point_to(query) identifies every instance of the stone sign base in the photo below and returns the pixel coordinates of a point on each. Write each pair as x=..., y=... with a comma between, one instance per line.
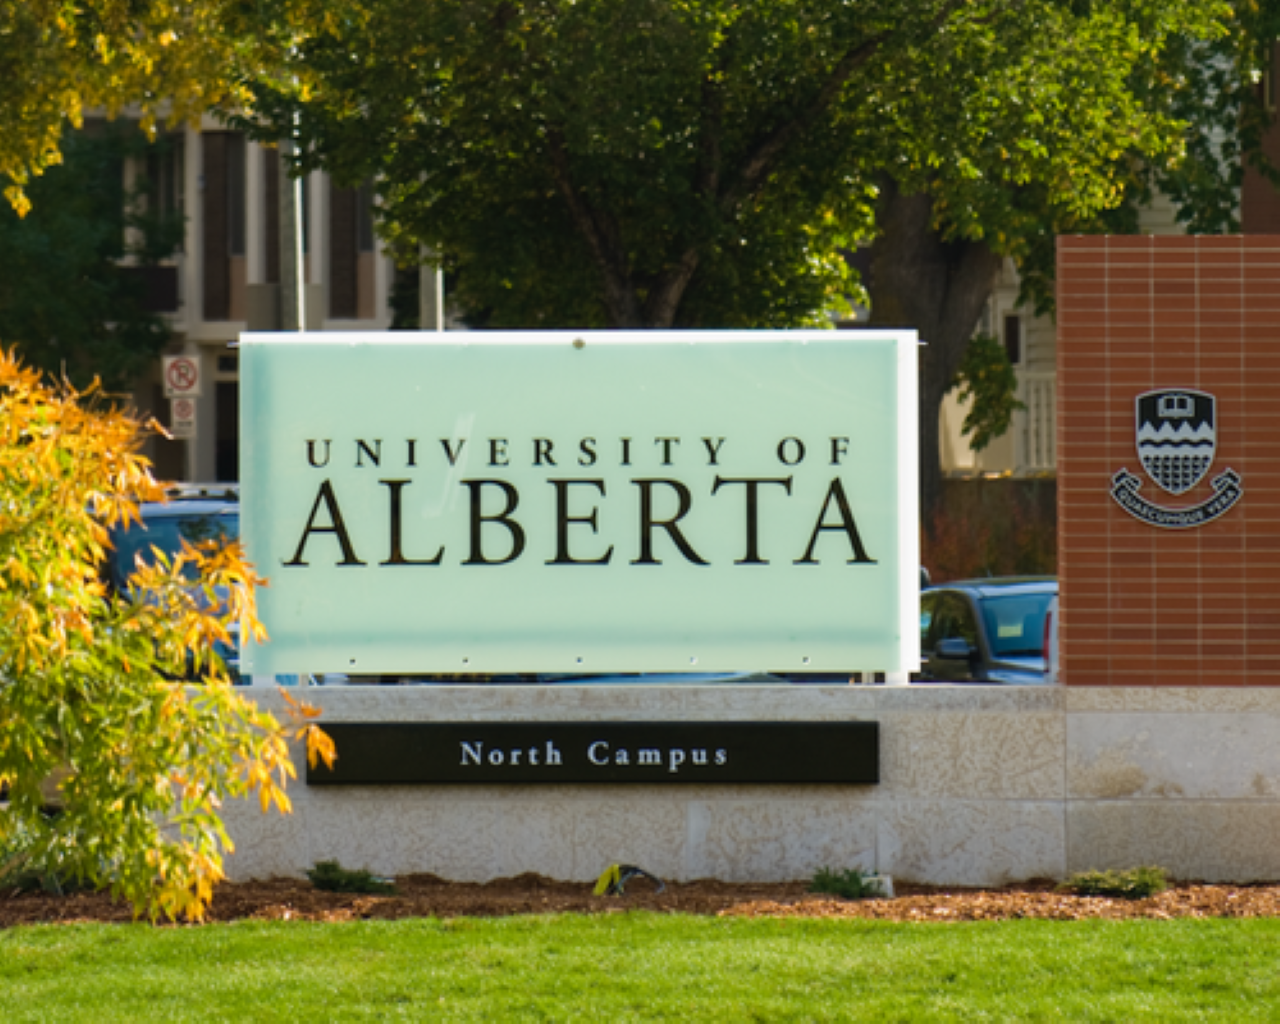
x=979, y=786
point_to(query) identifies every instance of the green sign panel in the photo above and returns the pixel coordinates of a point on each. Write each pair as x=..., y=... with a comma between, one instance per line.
x=582, y=502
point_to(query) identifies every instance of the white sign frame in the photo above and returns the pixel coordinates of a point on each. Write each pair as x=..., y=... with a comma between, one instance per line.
x=381, y=476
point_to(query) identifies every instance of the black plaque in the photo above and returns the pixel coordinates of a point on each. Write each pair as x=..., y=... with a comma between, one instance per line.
x=389, y=753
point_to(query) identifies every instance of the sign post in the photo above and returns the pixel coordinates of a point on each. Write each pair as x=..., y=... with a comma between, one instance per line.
x=182, y=388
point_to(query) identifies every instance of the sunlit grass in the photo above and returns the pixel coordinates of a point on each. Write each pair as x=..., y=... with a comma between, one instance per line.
x=643, y=966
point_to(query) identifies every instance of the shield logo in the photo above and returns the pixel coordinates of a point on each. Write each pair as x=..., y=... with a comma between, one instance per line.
x=1176, y=437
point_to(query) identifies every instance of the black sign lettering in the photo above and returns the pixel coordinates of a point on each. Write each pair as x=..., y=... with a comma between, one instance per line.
x=503, y=518
x=336, y=526
x=847, y=524
x=752, y=484
x=542, y=451
x=378, y=753
x=563, y=520
x=666, y=443
x=396, y=557
x=790, y=451
x=452, y=453
x=311, y=454
x=647, y=522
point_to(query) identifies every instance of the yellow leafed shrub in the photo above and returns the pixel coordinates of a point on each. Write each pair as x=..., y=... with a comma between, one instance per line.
x=96, y=697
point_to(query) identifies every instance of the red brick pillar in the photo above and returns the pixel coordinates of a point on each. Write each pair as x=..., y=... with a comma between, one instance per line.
x=1193, y=323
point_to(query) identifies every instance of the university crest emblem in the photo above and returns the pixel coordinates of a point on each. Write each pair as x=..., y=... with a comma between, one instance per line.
x=1177, y=438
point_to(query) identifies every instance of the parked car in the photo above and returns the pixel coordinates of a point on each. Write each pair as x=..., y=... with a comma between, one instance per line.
x=1051, y=642
x=195, y=513
x=986, y=631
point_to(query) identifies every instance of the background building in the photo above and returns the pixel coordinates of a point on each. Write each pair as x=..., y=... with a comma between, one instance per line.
x=227, y=275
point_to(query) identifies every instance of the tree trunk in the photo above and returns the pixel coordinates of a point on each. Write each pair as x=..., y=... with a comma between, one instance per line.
x=939, y=288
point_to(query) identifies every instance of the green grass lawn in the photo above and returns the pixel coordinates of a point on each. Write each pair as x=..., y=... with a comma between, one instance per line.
x=644, y=966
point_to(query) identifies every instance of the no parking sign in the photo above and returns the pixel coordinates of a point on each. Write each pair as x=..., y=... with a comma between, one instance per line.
x=181, y=377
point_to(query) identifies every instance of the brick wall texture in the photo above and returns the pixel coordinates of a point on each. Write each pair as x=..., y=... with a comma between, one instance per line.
x=1144, y=605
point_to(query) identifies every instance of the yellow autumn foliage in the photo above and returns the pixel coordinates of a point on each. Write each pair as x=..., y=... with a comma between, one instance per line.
x=162, y=59
x=96, y=687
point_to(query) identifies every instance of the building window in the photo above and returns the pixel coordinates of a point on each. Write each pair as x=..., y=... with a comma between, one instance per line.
x=364, y=218
x=271, y=213
x=235, y=194
x=1013, y=339
x=222, y=205
x=162, y=188
x=351, y=248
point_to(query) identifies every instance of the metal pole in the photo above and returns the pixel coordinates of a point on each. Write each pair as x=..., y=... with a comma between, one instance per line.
x=298, y=236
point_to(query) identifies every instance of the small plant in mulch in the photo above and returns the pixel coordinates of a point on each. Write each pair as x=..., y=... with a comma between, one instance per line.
x=1134, y=884
x=851, y=884
x=333, y=877
x=22, y=869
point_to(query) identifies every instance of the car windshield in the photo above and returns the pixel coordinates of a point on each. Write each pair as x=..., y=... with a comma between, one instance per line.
x=1015, y=624
x=166, y=533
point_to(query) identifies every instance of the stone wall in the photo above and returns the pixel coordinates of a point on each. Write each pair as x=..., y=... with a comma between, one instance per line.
x=979, y=786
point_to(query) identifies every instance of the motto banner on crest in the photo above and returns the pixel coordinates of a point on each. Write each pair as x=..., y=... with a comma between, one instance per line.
x=1177, y=438
x=570, y=502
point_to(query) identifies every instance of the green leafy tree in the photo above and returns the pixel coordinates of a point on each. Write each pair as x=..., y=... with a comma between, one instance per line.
x=657, y=163
x=637, y=148
x=92, y=698
x=1168, y=93
x=67, y=301
x=987, y=381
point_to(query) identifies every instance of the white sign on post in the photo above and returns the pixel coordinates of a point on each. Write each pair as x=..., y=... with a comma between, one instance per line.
x=559, y=502
x=181, y=377
x=182, y=418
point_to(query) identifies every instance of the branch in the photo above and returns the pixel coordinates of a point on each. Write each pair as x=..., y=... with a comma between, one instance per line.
x=665, y=295
x=707, y=172
x=668, y=290
x=600, y=236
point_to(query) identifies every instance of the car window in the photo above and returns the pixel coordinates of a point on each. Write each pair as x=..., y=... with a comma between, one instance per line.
x=166, y=533
x=949, y=615
x=1015, y=625
x=928, y=603
x=956, y=620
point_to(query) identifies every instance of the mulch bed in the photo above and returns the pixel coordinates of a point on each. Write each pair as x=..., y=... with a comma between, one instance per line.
x=429, y=896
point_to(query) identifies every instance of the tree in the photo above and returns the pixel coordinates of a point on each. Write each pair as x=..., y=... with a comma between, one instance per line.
x=66, y=300
x=658, y=163
x=944, y=226
x=92, y=695
x=160, y=58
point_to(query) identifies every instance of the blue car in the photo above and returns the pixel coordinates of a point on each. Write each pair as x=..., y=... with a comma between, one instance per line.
x=986, y=630
x=193, y=513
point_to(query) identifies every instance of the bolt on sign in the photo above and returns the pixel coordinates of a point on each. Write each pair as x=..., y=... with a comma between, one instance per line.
x=582, y=502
